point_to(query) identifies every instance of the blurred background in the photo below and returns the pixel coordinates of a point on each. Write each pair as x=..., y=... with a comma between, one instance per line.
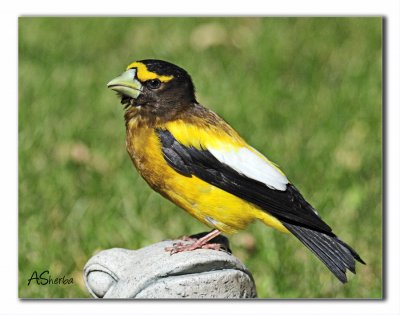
x=304, y=91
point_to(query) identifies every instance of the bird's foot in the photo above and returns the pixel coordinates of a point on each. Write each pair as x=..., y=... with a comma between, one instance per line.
x=198, y=243
x=181, y=247
x=214, y=246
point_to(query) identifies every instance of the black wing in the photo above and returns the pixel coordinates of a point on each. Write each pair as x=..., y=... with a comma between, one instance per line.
x=289, y=206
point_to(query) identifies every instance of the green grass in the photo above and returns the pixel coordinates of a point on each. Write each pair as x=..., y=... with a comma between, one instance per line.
x=304, y=91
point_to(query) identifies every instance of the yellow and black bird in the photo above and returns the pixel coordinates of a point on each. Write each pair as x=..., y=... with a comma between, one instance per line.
x=192, y=157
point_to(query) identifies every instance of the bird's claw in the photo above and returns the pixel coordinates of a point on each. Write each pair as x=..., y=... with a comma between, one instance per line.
x=181, y=247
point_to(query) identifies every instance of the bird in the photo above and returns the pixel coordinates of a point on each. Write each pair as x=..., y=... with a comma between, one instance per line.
x=194, y=158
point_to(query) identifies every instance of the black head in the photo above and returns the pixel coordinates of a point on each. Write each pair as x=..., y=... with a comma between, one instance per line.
x=155, y=87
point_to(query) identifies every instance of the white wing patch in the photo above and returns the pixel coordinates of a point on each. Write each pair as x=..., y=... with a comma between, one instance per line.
x=252, y=165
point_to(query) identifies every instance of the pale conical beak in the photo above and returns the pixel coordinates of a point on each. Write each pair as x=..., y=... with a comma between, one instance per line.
x=126, y=84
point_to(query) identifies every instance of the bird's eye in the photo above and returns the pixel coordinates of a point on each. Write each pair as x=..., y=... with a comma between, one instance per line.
x=153, y=84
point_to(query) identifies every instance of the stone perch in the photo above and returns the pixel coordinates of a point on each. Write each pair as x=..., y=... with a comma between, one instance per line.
x=152, y=273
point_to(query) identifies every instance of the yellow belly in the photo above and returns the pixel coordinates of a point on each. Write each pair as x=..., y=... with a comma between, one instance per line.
x=209, y=204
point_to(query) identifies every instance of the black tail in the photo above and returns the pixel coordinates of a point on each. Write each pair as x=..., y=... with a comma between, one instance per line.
x=334, y=253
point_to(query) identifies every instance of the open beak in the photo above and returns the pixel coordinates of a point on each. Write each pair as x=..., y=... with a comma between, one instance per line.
x=126, y=84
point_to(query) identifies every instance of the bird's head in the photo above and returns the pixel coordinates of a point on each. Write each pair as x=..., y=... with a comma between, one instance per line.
x=154, y=87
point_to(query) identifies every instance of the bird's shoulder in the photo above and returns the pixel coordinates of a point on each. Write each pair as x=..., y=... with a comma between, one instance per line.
x=201, y=128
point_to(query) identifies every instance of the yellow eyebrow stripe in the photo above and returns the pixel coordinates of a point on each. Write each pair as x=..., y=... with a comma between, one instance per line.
x=144, y=74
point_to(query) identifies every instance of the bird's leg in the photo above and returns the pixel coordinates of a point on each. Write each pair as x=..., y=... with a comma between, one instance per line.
x=200, y=243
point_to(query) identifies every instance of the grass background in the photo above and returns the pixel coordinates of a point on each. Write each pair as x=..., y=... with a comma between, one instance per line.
x=304, y=91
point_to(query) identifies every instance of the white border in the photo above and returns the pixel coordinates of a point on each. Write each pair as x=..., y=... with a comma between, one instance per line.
x=9, y=152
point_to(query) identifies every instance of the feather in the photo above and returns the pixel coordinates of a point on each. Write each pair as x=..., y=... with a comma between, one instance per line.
x=333, y=252
x=251, y=165
x=288, y=206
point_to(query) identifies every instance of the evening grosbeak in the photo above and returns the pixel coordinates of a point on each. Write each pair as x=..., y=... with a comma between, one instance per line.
x=192, y=157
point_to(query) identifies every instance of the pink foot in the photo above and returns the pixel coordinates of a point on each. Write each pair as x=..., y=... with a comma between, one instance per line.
x=214, y=246
x=180, y=247
x=200, y=243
